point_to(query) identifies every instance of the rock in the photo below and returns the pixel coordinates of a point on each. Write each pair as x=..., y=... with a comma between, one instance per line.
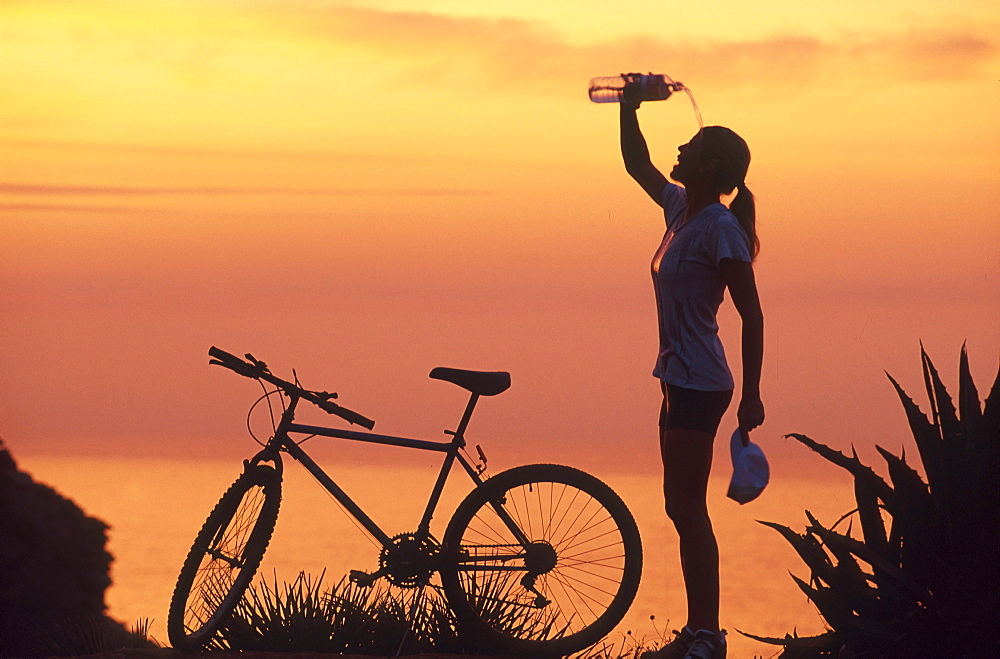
x=53, y=566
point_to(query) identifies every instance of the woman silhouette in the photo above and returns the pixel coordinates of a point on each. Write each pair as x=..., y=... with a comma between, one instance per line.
x=707, y=248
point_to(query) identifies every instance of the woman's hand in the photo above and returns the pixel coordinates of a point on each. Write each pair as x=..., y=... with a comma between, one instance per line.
x=750, y=415
x=632, y=93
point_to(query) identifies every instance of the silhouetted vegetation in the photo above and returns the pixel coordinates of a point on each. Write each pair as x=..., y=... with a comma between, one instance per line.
x=303, y=616
x=922, y=578
x=306, y=616
x=96, y=635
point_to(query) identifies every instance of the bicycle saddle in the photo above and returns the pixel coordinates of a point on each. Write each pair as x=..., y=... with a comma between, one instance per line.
x=483, y=383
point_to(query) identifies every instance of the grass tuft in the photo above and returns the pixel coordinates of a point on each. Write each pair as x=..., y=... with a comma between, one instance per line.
x=307, y=616
x=89, y=635
x=304, y=616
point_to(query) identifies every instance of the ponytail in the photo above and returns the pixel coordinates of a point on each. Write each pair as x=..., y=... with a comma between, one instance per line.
x=732, y=157
x=745, y=210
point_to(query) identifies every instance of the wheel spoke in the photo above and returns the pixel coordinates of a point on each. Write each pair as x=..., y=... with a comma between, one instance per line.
x=576, y=597
x=224, y=557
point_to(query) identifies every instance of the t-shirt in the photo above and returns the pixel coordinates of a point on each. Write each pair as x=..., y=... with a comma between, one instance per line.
x=689, y=289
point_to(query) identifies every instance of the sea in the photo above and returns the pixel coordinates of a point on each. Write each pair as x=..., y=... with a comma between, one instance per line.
x=155, y=506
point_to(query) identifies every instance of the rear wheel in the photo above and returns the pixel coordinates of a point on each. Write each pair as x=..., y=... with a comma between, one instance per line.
x=224, y=558
x=541, y=559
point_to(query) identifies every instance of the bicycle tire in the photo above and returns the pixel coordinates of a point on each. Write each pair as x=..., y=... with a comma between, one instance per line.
x=571, y=519
x=224, y=558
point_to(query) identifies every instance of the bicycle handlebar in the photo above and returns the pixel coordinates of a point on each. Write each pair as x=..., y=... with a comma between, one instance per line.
x=257, y=370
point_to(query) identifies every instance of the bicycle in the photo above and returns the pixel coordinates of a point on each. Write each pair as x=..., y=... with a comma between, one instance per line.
x=539, y=559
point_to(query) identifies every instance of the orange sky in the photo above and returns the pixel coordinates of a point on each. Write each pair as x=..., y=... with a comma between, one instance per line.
x=366, y=190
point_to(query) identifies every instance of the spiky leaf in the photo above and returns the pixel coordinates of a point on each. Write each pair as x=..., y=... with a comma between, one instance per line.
x=892, y=582
x=945, y=415
x=927, y=540
x=991, y=414
x=853, y=465
x=804, y=647
x=983, y=438
x=927, y=438
x=851, y=583
x=810, y=551
x=832, y=607
x=968, y=401
x=872, y=525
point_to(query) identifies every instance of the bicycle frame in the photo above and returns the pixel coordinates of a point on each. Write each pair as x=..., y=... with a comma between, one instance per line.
x=537, y=559
x=282, y=441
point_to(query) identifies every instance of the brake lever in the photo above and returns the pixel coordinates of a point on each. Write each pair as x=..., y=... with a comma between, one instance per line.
x=256, y=362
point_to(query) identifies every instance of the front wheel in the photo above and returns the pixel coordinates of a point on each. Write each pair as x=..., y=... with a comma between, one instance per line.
x=224, y=558
x=541, y=559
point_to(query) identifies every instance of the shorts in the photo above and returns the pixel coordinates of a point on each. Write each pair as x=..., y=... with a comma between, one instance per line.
x=692, y=409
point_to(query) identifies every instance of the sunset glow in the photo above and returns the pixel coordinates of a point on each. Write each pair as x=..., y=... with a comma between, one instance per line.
x=365, y=190
x=362, y=190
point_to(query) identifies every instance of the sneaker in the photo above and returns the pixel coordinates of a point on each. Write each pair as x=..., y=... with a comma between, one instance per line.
x=675, y=649
x=707, y=645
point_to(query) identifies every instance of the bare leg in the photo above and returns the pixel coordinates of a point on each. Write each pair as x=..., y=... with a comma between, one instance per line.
x=687, y=460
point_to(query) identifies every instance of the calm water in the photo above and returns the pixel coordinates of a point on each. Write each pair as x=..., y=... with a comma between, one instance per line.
x=155, y=507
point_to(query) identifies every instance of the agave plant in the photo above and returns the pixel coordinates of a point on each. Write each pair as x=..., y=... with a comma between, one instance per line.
x=922, y=576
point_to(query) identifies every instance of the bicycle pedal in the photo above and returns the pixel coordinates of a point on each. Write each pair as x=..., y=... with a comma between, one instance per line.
x=362, y=579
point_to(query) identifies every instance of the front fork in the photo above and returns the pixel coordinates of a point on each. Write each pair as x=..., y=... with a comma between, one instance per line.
x=272, y=450
x=265, y=455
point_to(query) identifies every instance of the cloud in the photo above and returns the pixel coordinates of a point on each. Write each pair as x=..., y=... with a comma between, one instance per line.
x=509, y=52
x=202, y=151
x=45, y=190
x=61, y=208
x=287, y=47
x=931, y=54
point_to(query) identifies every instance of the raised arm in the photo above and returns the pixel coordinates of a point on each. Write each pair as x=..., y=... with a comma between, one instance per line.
x=742, y=286
x=635, y=153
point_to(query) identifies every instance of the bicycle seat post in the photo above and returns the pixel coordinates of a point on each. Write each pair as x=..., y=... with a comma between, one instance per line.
x=478, y=383
x=459, y=433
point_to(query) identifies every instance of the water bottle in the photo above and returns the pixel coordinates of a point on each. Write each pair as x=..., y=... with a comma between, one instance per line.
x=654, y=87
